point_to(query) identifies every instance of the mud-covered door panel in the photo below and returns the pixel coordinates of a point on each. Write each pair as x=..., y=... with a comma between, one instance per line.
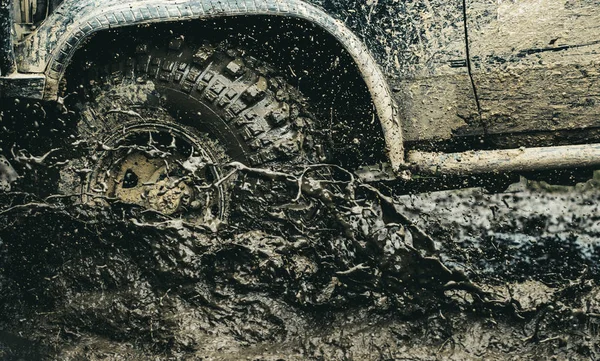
x=536, y=67
x=422, y=48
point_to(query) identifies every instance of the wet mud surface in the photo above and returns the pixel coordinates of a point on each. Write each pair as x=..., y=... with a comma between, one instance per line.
x=312, y=265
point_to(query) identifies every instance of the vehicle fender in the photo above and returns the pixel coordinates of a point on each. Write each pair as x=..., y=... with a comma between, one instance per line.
x=51, y=47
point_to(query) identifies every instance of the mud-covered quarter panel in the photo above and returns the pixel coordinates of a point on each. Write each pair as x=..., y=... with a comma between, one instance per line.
x=536, y=68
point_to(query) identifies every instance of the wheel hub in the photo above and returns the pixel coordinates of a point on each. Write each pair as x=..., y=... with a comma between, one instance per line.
x=146, y=181
x=161, y=167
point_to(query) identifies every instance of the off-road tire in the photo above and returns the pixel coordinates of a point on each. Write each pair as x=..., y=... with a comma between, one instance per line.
x=236, y=104
x=258, y=117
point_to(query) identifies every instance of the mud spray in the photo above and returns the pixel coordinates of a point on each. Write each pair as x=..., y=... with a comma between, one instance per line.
x=312, y=264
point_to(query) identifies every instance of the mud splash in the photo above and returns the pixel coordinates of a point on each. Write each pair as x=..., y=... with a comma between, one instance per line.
x=311, y=265
x=330, y=270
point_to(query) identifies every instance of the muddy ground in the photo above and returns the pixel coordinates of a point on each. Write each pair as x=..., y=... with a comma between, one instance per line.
x=312, y=265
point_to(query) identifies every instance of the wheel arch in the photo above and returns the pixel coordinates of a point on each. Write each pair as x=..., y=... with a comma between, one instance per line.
x=46, y=52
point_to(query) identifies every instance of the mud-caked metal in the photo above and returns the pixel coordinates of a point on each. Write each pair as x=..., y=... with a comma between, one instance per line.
x=437, y=78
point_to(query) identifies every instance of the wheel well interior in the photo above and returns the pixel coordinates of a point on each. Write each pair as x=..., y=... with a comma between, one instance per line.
x=308, y=57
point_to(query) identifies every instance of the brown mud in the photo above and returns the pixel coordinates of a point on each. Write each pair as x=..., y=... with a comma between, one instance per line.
x=332, y=271
x=312, y=265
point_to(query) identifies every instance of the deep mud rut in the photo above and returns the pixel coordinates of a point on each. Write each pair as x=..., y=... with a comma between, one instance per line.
x=312, y=265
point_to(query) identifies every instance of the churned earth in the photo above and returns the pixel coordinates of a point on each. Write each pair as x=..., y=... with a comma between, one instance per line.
x=324, y=273
x=312, y=264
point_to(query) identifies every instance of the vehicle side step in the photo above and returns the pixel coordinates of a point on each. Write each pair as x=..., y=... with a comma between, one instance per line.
x=504, y=160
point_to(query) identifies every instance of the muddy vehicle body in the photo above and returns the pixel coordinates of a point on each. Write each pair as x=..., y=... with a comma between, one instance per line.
x=456, y=87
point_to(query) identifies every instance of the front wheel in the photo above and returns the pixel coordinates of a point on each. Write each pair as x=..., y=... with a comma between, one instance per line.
x=162, y=120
